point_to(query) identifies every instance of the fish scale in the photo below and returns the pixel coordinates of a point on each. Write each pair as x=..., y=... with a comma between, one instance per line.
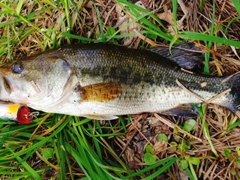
x=153, y=70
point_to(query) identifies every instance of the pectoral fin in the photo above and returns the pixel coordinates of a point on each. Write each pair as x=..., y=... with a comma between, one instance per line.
x=100, y=116
x=183, y=110
x=67, y=91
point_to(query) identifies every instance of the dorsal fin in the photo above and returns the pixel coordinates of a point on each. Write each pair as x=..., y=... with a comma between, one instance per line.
x=187, y=56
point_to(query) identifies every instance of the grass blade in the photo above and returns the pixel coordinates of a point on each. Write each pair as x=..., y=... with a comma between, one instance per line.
x=19, y=7
x=157, y=164
x=237, y=5
x=205, y=37
x=33, y=173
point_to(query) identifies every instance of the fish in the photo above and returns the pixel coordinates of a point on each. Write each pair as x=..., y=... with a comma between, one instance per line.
x=103, y=81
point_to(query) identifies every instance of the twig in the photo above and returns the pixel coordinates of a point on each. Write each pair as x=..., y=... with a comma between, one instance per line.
x=190, y=92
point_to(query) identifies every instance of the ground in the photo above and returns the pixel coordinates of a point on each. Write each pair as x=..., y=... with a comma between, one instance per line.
x=146, y=145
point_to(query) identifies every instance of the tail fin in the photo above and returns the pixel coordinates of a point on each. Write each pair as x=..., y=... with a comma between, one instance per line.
x=233, y=82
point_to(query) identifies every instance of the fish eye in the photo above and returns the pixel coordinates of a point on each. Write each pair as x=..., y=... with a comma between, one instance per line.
x=17, y=67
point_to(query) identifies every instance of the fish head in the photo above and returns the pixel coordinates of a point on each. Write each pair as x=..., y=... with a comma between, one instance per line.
x=40, y=81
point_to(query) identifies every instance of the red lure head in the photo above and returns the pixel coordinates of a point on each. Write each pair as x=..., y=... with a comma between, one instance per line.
x=24, y=115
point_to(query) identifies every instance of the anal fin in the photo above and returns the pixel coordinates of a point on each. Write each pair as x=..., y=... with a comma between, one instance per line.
x=182, y=110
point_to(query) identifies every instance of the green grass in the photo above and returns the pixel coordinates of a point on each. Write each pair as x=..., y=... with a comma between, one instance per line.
x=81, y=147
x=76, y=143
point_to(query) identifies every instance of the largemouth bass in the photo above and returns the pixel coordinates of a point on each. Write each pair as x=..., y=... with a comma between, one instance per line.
x=102, y=81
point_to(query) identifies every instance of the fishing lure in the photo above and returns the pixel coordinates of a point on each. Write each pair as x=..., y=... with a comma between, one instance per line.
x=16, y=112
